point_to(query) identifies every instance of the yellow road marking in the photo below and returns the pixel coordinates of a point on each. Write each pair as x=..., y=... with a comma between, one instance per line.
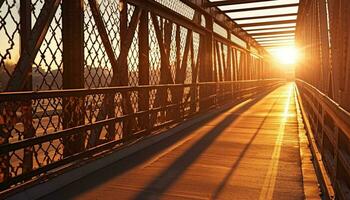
x=270, y=178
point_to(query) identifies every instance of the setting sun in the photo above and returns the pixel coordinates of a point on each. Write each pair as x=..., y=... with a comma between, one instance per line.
x=285, y=55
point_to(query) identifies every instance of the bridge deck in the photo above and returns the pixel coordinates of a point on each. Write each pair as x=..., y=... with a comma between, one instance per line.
x=249, y=152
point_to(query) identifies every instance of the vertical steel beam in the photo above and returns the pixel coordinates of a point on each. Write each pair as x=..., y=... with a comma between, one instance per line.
x=73, y=71
x=229, y=64
x=123, y=65
x=248, y=64
x=206, y=65
x=122, y=68
x=193, y=89
x=73, y=43
x=235, y=64
x=346, y=53
x=325, y=61
x=144, y=73
x=25, y=32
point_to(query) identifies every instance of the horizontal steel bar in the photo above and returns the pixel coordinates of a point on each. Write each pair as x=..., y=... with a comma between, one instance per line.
x=275, y=39
x=272, y=33
x=232, y=2
x=261, y=8
x=266, y=16
x=340, y=116
x=274, y=36
x=278, y=45
x=246, y=89
x=20, y=96
x=223, y=19
x=71, y=131
x=69, y=160
x=268, y=23
x=272, y=28
x=154, y=7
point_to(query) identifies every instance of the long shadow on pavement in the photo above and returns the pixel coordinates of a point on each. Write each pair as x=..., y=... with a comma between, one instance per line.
x=162, y=182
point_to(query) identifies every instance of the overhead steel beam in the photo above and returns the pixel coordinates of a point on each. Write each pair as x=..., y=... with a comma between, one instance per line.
x=266, y=29
x=274, y=36
x=268, y=23
x=276, y=42
x=276, y=39
x=232, y=2
x=261, y=8
x=266, y=16
x=271, y=33
x=150, y=5
x=277, y=45
x=213, y=12
x=273, y=43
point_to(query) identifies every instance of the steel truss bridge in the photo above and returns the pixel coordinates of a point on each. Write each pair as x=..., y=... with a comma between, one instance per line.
x=84, y=81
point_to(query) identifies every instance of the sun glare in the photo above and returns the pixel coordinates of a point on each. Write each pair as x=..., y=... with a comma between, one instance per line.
x=286, y=55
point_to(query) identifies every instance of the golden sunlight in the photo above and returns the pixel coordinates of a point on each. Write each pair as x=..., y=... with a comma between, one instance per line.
x=286, y=55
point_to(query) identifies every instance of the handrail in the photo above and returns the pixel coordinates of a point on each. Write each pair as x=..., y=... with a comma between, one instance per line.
x=224, y=92
x=330, y=126
x=339, y=114
x=24, y=95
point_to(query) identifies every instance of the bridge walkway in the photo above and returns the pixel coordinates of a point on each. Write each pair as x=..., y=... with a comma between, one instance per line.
x=251, y=151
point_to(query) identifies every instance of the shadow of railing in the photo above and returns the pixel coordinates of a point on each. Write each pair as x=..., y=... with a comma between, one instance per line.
x=165, y=179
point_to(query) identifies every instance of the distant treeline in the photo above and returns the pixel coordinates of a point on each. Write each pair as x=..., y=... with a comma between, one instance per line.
x=52, y=80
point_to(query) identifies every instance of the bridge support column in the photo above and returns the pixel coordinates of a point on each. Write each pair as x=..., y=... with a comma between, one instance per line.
x=144, y=68
x=206, y=66
x=73, y=71
x=25, y=32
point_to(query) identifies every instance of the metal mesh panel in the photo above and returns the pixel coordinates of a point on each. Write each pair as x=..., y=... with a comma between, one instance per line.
x=154, y=59
x=111, y=16
x=47, y=67
x=47, y=75
x=154, y=55
x=69, y=123
x=220, y=30
x=98, y=70
x=133, y=53
x=37, y=5
x=9, y=42
x=179, y=7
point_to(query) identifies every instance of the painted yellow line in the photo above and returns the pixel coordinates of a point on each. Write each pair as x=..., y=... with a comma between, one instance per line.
x=270, y=178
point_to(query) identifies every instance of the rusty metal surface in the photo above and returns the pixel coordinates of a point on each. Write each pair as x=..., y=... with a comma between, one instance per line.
x=55, y=145
x=250, y=151
x=78, y=77
x=322, y=36
x=330, y=124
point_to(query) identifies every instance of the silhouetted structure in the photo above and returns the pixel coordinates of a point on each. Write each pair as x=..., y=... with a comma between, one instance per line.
x=80, y=77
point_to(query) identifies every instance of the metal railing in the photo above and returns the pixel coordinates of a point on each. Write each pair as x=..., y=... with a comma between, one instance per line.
x=330, y=126
x=34, y=157
x=81, y=76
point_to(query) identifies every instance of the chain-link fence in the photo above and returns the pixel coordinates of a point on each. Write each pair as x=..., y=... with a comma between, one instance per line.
x=143, y=69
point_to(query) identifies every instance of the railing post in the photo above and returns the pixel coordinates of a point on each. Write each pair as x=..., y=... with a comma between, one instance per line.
x=73, y=71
